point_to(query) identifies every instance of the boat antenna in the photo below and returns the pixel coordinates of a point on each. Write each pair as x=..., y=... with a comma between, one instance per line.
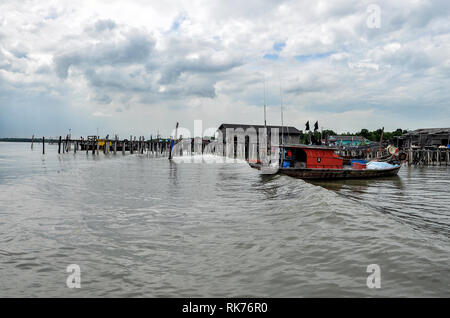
x=282, y=123
x=265, y=123
x=265, y=119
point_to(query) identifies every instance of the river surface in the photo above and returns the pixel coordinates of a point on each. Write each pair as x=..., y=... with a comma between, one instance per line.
x=145, y=227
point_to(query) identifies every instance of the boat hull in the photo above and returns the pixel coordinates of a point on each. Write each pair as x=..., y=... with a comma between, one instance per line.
x=305, y=173
x=339, y=173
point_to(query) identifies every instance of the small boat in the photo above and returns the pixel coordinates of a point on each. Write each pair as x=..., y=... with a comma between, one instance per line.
x=320, y=162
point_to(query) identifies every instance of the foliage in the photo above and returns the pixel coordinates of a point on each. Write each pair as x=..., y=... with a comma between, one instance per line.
x=376, y=134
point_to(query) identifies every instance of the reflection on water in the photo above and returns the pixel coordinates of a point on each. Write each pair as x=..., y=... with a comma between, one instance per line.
x=140, y=226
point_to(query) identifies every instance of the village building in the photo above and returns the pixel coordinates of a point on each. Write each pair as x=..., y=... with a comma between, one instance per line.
x=347, y=141
x=243, y=141
x=424, y=138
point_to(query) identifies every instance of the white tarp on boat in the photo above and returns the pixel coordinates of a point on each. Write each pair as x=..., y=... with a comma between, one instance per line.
x=376, y=165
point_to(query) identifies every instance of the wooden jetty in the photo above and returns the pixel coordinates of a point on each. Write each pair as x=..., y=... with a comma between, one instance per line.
x=428, y=156
x=95, y=145
x=160, y=147
x=435, y=156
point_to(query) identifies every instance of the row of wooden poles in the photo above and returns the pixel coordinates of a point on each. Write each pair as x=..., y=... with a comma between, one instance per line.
x=423, y=157
x=157, y=147
x=138, y=146
x=161, y=147
x=428, y=157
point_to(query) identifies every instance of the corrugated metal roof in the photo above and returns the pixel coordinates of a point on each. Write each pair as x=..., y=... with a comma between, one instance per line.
x=429, y=131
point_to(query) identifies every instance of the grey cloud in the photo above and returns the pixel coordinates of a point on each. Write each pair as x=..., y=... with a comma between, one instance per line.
x=103, y=99
x=44, y=69
x=117, y=79
x=106, y=24
x=197, y=86
x=409, y=57
x=135, y=48
x=4, y=64
x=19, y=53
x=310, y=84
x=422, y=14
x=190, y=89
x=171, y=71
x=106, y=65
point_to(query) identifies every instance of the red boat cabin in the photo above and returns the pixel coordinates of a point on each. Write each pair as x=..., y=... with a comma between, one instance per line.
x=312, y=157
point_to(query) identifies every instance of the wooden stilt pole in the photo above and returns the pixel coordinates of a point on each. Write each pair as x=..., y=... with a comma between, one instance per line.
x=139, y=145
x=43, y=145
x=131, y=144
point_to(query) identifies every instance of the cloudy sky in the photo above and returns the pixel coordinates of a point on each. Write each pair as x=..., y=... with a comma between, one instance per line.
x=137, y=67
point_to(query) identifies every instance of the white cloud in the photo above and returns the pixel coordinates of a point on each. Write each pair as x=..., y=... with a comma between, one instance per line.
x=143, y=65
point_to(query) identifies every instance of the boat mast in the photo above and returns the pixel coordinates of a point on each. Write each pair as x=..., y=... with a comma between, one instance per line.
x=282, y=127
x=282, y=123
x=265, y=123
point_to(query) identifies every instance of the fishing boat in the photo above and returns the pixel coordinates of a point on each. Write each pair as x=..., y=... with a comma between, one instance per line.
x=320, y=162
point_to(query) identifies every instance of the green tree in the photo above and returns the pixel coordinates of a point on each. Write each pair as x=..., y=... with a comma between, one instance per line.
x=364, y=133
x=328, y=132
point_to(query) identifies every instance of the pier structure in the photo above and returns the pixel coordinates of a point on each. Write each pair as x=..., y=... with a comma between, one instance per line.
x=157, y=147
x=160, y=147
x=430, y=156
x=107, y=145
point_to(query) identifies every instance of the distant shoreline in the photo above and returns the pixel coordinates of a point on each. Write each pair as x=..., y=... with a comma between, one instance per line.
x=26, y=140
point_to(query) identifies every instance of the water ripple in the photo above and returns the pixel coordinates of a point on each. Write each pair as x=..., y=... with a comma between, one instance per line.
x=145, y=227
